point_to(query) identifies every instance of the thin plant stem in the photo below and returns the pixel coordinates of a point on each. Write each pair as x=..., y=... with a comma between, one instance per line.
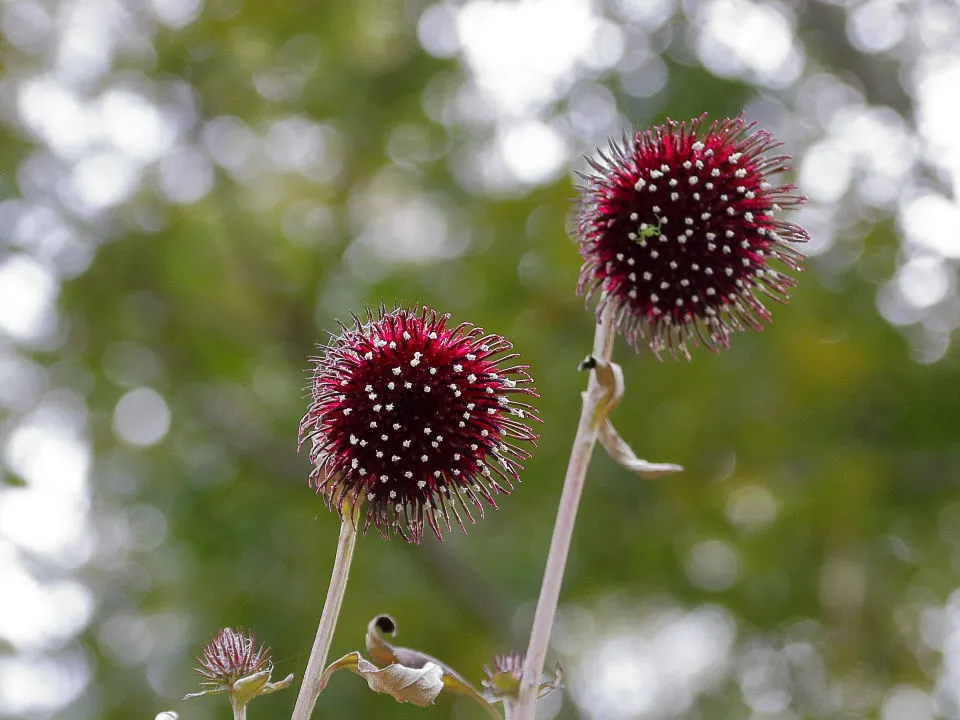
x=310, y=687
x=583, y=444
x=239, y=710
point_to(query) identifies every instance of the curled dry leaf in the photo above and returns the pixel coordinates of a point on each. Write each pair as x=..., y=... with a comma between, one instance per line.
x=407, y=675
x=419, y=686
x=623, y=454
x=610, y=380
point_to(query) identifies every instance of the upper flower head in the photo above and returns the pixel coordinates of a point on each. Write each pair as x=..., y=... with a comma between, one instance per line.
x=416, y=418
x=677, y=229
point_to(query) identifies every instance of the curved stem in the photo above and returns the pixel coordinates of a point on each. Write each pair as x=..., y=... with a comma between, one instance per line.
x=583, y=444
x=309, y=688
x=239, y=711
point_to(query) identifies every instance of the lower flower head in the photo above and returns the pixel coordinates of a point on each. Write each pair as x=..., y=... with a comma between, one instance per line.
x=418, y=419
x=677, y=230
x=229, y=656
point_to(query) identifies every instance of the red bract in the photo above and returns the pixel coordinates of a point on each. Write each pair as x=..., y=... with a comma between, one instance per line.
x=677, y=229
x=229, y=656
x=418, y=419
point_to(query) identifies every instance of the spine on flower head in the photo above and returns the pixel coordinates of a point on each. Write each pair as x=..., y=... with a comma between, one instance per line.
x=418, y=420
x=678, y=226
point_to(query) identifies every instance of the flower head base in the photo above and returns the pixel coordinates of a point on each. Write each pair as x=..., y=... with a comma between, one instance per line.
x=503, y=677
x=677, y=231
x=416, y=418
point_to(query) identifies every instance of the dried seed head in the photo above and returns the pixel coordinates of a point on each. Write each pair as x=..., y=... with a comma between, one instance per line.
x=418, y=419
x=676, y=227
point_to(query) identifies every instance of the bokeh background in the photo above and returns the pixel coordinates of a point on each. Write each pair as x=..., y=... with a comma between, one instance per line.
x=192, y=191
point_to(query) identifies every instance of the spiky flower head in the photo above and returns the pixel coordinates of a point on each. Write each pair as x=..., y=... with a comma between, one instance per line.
x=232, y=664
x=229, y=656
x=677, y=230
x=417, y=419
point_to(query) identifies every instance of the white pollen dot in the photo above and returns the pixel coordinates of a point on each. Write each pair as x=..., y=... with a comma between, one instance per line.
x=694, y=180
x=634, y=217
x=673, y=183
x=394, y=458
x=740, y=173
x=406, y=335
x=695, y=299
x=456, y=456
x=347, y=411
x=426, y=388
x=370, y=496
x=458, y=368
x=728, y=271
x=679, y=302
x=715, y=172
x=654, y=254
x=631, y=262
x=708, y=271
x=396, y=371
x=639, y=184
x=653, y=188
x=368, y=356
x=687, y=164
x=433, y=371
x=471, y=357
x=729, y=233
x=379, y=453
x=674, y=196
x=731, y=211
x=664, y=285
x=748, y=216
x=647, y=276
x=656, y=208
x=705, y=216
x=408, y=385
x=421, y=484
x=697, y=146
x=406, y=443
x=673, y=265
x=393, y=494
x=408, y=474
x=423, y=458
x=688, y=221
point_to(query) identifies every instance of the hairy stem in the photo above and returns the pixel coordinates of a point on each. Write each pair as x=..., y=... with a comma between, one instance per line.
x=591, y=417
x=310, y=688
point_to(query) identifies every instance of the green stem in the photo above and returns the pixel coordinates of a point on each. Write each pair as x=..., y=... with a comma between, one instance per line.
x=239, y=710
x=310, y=688
x=591, y=417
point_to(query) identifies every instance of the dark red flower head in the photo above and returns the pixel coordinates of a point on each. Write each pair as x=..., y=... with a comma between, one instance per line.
x=229, y=656
x=417, y=419
x=677, y=230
